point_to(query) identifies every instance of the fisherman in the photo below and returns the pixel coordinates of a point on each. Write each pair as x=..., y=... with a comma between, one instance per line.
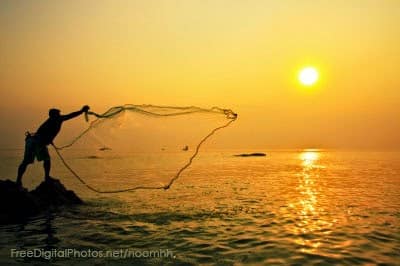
x=36, y=143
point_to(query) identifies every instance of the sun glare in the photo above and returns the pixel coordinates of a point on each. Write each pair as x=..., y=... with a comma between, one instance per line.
x=308, y=76
x=309, y=157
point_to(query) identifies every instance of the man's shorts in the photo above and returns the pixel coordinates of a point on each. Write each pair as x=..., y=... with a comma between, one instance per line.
x=33, y=148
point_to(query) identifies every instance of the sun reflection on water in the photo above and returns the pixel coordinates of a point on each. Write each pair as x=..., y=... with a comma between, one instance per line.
x=306, y=210
x=309, y=158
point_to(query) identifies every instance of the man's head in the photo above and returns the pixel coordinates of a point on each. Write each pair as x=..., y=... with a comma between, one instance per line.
x=53, y=112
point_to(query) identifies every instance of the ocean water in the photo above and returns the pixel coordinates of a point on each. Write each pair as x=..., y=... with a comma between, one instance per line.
x=288, y=208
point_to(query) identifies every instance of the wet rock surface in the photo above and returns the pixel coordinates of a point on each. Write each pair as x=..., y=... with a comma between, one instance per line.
x=18, y=203
x=255, y=154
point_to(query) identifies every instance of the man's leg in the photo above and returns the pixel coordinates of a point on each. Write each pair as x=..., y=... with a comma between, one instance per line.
x=43, y=154
x=29, y=157
x=21, y=170
x=46, y=166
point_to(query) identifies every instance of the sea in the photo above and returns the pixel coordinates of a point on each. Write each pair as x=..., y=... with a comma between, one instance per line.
x=291, y=207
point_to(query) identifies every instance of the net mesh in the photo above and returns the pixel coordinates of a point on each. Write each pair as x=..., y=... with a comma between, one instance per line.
x=133, y=147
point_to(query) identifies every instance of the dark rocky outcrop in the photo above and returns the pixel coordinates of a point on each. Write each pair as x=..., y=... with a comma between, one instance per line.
x=255, y=154
x=17, y=204
x=52, y=193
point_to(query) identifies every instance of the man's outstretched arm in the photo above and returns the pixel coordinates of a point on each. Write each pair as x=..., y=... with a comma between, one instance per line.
x=75, y=114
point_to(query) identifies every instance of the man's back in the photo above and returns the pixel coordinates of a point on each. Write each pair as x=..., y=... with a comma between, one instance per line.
x=49, y=130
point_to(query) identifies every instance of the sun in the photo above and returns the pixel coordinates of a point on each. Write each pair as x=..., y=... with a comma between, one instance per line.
x=308, y=76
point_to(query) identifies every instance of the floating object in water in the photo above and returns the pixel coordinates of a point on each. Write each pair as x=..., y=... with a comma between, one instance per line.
x=255, y=154
x=105, y=149
x=93, y=157
x=18, y=204
x=186, y=148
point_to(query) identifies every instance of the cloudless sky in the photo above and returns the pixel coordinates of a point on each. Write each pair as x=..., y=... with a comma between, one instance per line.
x=243, y=55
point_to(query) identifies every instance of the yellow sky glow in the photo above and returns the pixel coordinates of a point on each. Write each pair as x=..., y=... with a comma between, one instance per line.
x=237, y=54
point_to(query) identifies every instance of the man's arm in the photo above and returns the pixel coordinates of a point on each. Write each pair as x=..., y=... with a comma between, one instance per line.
x=75, y=114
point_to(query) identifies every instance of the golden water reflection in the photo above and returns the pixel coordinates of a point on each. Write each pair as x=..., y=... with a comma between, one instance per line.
x=311, y=222
x=309, y=157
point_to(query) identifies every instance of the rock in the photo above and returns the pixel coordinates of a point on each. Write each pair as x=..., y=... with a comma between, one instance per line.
x=52, y=193
x=18, y=204
x=255, y=154
x=93, y=157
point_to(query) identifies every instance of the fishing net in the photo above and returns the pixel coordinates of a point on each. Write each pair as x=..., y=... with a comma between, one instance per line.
x=133, y=147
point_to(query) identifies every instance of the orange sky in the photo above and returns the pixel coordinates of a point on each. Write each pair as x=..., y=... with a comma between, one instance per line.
x=242, y=55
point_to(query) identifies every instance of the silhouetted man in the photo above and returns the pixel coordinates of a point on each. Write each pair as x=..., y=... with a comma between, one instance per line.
x=36, y=144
